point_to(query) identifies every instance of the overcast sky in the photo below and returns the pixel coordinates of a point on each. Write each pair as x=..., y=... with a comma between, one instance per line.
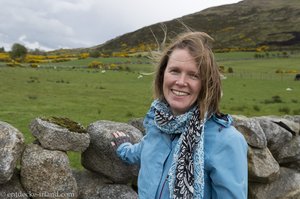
x=54, y=24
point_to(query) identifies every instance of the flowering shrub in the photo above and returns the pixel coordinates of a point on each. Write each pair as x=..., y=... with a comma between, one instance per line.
x=96, y=64
x=4, y=57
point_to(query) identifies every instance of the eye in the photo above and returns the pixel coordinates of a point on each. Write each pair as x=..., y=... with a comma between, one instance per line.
x=194, y=76
x=174, y=71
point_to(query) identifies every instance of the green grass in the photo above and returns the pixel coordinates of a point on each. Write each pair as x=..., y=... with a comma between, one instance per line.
x=81, y=94
x=136, y=64
x=87, y=95
x=255, y=97
x=250, y=89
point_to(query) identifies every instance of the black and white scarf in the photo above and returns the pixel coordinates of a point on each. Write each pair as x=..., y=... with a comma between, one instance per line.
x=186, y=175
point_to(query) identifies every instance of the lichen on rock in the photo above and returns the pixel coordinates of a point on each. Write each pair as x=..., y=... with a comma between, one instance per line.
x=66, y=123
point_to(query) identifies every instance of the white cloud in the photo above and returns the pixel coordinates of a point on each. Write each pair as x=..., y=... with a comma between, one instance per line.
x=53, y=24
x=31, y=45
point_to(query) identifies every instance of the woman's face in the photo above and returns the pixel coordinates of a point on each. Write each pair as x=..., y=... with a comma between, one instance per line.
x=182, y=84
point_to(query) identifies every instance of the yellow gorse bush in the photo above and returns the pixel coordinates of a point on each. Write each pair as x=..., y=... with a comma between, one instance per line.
x=4, y=57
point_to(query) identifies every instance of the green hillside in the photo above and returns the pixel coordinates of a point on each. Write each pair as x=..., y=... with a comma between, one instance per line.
x=245, y=25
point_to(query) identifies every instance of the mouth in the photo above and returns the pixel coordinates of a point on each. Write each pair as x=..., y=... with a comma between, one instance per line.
x=179, y=93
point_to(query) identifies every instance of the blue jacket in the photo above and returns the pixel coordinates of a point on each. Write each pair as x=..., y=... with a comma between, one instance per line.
x=225, y=160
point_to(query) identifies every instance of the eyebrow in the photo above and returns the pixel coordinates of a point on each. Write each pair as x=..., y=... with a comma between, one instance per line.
x=177, y=67
x=187, y=60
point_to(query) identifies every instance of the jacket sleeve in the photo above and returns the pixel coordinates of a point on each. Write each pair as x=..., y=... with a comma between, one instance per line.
x=130, y=153
x=229, y=172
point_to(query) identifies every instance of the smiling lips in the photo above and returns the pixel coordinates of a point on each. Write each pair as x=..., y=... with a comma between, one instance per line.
x=179, y=93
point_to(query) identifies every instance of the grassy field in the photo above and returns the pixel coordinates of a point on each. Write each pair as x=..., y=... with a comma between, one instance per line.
x=86, y=95
x=256, y=89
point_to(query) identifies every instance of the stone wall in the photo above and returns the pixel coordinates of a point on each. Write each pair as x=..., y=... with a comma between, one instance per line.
x=41, y=169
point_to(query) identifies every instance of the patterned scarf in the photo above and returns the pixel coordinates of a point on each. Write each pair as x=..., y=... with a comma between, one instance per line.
x=186, y=175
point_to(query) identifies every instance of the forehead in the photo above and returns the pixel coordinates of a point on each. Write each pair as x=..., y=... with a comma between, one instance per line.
x=182, y=57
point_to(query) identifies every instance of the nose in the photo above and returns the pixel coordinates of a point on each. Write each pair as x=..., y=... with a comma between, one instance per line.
x=181, y=81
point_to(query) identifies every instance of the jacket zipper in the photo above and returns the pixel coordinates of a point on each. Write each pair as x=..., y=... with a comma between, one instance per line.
x=162, y=188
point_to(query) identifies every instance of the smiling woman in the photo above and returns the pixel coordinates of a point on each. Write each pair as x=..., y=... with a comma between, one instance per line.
x=181, y=85
x=185, y=152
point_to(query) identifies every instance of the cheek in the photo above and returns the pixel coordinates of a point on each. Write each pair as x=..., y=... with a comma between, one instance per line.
x=166, y=81
x=197, y=88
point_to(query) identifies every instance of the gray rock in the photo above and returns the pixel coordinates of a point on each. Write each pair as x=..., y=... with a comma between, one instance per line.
x=276, y=135
x=251, y=130
x=11, y=147
x=100, y=157
x=292, y=165
x=47, y=174
x=289, y=123
x=93, y=185
x=117, y=191
x=89, y=183
x=138, y=123
x=295, y=118
x=55, y=137
x=13, y=188
x=290, y=152
x=287, y=186
x=262, y=166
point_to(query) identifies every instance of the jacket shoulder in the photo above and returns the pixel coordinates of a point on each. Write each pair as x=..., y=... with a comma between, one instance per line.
x=222, y=136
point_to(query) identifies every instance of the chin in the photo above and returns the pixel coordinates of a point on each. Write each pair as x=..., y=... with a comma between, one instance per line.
x=178, y=110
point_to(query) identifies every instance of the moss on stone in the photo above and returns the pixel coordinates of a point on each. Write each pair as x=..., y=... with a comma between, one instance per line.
x=66, y=123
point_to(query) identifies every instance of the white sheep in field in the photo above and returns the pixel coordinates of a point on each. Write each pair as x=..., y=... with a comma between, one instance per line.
x=140, y=76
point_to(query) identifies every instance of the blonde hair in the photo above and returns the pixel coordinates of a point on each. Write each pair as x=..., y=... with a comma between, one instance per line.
x=199, y=46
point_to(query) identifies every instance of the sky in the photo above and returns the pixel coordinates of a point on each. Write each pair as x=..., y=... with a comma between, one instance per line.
x=54, y=24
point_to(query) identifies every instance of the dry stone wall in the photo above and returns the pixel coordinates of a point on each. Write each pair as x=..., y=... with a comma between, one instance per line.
x=44, y=170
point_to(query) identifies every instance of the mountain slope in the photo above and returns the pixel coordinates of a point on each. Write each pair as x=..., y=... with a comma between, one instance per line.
x=242, y=26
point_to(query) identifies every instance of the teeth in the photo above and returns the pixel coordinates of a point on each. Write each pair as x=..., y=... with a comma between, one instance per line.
x=179, y=93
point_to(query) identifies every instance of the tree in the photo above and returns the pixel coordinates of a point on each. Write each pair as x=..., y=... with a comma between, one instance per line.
x=94, y=53
x=18, y=52
x=2, y=50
